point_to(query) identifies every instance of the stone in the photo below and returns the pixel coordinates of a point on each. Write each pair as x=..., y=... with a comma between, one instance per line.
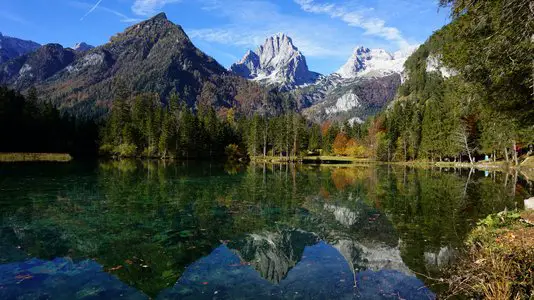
x=529, y=203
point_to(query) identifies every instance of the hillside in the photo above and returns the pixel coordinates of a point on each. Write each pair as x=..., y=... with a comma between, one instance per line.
x=463, y=98
x=11, y=47
x=154, y=56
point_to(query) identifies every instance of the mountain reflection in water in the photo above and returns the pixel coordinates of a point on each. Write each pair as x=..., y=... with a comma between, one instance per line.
x=173, y=231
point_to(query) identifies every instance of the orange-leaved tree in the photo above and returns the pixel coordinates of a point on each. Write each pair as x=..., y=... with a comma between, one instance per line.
x=340, y=144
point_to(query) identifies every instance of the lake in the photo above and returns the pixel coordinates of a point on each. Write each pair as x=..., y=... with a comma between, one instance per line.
x=142, y=229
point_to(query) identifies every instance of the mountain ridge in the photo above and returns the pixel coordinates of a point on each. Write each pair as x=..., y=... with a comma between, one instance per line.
x=374, y=62
x=11, y=47
x=153, y=56
x=157, y=56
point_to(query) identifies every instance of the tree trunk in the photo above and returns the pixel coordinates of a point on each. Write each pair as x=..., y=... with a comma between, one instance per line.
x=516, y=159
x=466, y=144
x=405, y=151
x=506, y=155
x=514, y=184
x=264, y=144
x=295, y=137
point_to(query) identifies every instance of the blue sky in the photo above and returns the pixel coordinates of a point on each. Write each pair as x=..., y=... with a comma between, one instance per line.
x=326, y=31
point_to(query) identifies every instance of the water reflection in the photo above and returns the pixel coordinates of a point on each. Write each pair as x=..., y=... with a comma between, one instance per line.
x=192, y=230
x=61, y=278
x=320, y=273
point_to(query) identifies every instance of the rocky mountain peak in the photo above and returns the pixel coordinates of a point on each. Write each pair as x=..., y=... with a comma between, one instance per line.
x=82, y=47
x=153, y=56
x=160, y=16
x=153, y=28
x=159, y=19
x=277, y=61
x=278, y=49
x=372, y=62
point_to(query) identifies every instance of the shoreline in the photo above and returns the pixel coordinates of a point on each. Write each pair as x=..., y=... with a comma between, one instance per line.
x=343, y=160
x=497, y=258
x=13, y=157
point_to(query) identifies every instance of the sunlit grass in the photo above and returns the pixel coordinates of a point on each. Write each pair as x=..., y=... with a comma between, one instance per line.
x=20, y=157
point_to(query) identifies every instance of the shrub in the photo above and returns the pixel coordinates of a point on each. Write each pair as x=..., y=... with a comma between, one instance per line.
x=106, y=150
x=498, y=262
x=149, y=152
x=126, y=150
x=232, y=152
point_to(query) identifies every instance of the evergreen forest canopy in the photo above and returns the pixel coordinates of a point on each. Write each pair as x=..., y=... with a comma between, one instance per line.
x=31, y=126
x=485, y=107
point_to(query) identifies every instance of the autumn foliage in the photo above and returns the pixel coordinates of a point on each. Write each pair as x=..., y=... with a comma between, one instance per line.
x=343, y=145
x=340, y=144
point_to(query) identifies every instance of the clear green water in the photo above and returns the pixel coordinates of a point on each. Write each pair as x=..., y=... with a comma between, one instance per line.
x=206, y=231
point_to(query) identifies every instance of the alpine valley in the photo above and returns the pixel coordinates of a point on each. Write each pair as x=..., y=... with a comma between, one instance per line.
x=156, y=56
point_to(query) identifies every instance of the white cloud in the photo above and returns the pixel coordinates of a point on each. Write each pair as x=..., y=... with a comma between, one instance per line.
x=224, y=36
x=355, y=18
x=150, y=7
x=13, y=17
x=250, y=22
x=123, y=18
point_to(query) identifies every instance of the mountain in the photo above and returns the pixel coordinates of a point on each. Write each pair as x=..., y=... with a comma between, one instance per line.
x=276, y=62
x=363, y=86
x=82, y=47
x=373, y=62
x=35, y=67
x=12, y=47
x=353, y=100
x=154, y=56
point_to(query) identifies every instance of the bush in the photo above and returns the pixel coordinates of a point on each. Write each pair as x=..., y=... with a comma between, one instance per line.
x=126, y=150
x=106, y=150
x=149, y=152
x=232, y=152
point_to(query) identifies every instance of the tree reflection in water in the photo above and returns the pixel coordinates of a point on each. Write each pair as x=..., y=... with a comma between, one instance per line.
x=166, y=229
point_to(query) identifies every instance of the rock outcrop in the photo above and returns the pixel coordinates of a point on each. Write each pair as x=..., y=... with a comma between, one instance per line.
x=82, y=47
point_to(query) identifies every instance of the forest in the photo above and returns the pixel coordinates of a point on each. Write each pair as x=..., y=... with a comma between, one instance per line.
x=30, y=125
x=482, y=109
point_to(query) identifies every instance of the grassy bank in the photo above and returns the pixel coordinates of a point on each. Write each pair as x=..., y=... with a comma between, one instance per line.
x=21, y=157
x=325, y=159
x=527, y=165
x=499, y=260
x=478, y=165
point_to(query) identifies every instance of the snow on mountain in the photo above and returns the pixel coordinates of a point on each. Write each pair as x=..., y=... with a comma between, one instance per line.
x=374, y=62
x=277, y=61
x=82, y=47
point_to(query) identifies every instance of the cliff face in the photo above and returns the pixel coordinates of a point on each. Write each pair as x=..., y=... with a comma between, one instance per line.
x=277, y=62
x=348, y=99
